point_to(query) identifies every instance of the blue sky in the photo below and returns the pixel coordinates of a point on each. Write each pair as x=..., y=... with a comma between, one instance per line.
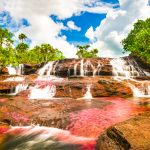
x=65, y=24
x=84, y=21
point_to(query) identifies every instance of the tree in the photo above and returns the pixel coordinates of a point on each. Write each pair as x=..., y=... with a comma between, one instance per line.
x=22, y=37
x=5, y=38
x=138, y=40
x=22, y=54
x=83, y=52
x=44, y=53
x=7, y=55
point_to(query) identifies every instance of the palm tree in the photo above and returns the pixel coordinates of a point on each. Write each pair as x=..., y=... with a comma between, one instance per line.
x=22, y=37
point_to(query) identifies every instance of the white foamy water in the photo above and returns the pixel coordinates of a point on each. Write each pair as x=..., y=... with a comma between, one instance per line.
x=48, y=69
x=49, y=78
x=86, y=68
x=14, y=79
x=125, y=68
x=40, y=138
x=88, y=94
x=46, y=92
x=141, y=90
x=18, y=70
x=128, y=69
x=19, y=88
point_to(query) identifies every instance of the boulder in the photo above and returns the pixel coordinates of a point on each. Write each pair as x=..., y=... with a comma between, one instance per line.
x=133, y=134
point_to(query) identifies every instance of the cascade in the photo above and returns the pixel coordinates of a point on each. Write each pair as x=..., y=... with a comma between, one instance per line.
x=46, y=92
x=47, y=69
x=88, y=94
x=15, y=70
x=14, y=79
x=75, y=69
x=140, y=88
x=44, y=88
x=19, y=88
x=88, y=65
x=97, y=69
x=11, y=70
x=20, y=69
x=126, y=68
x=85, y=68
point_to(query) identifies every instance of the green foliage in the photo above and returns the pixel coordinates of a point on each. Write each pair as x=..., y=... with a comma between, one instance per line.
x=5, y=38
x=22, y=37
x=138, y=40
x=44, y=53
x=22, y=54
x=83, y=52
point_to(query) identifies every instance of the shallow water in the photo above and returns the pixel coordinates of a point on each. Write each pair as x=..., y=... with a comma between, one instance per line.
x=87, y=120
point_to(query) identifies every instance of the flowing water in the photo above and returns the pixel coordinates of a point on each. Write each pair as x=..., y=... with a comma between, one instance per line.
x=19, y=88
x=88, y=94
x=88, y=117
x=127, y=70
x=18, y=70
x=46, y=92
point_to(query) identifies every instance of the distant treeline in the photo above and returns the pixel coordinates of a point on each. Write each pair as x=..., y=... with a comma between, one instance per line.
x=137, y=42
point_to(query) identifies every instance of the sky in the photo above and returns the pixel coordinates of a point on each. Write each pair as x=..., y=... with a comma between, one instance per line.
x=67, y=23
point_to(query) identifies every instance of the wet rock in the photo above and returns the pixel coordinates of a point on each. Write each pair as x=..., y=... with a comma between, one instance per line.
x=72, y=90
x=32, y=69
x=4, y=71
x=110, y=87
x=132, y=134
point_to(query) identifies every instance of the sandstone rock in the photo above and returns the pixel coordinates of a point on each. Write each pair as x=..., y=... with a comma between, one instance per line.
x=4, y=71
x=132, y=134
x=110, y=87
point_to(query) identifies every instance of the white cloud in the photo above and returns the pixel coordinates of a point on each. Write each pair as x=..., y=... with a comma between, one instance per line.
x=108, y=34
x=90, y=33
x=72, y=26
x=117, y=25
x=43, y=29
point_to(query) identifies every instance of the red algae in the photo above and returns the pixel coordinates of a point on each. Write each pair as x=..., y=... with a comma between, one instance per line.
x=92, y=122
x=2, y=100
x=18, y=117
x=3, y=129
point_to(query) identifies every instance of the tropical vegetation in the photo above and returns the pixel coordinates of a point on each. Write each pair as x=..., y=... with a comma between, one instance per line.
x=138, y=40
x=21, y=53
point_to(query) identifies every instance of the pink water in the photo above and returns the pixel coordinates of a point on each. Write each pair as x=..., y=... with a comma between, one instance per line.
x=84, y=127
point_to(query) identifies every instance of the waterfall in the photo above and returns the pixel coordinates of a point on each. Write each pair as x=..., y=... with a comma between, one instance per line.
x=126, y=68
x=88, y=65
x=47, y=69
x=85, y=68
x=88, y=94
x=18, y=70
x=97, y=69
x=11, y=70
x=82, y=68
x=142, y=89
x=46, y=92
x=19, y=88
x=44, y=84
x=75, y=69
